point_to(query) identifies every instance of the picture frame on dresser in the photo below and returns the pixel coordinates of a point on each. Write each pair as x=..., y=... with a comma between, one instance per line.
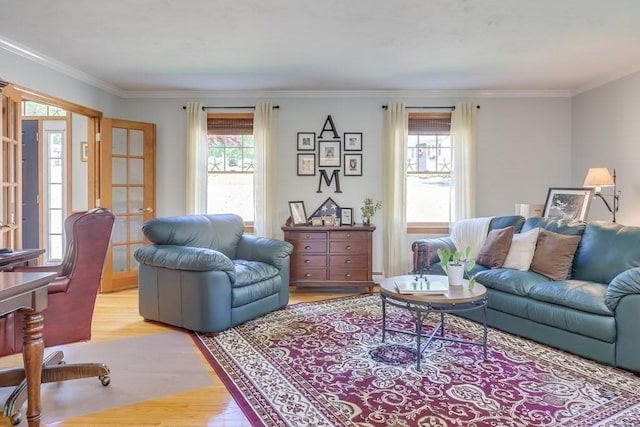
x=298, y=213
x=346, y=215
x=568, y=203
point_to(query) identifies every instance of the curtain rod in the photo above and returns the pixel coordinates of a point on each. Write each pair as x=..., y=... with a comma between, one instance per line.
x=184, y=107
x=450, y=107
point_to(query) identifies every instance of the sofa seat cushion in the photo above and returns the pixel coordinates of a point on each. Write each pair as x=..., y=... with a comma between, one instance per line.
x=591, y=325
x=248, y=294
x=250, y=272
x=510, y=281
x=578, y=294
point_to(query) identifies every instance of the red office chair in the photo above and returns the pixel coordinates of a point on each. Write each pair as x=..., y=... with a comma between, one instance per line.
x=69, y=312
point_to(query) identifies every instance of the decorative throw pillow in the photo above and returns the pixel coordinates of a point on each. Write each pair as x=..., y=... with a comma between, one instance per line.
x=496, y=247
x=521, y=251
x=554, y=254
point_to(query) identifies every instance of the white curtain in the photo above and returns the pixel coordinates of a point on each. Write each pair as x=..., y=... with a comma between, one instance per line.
x=394, y=171
x=265, y=123
x=463, y=133
x=196, y=167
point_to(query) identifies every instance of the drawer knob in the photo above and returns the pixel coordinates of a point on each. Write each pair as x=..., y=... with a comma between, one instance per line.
x=307, y=247
x=307, y=275
x=348, y=247
x=307, y=261
x=348, y=261
x=347, y=275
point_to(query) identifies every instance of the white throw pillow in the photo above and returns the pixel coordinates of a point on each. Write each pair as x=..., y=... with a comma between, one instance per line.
x=523, y=246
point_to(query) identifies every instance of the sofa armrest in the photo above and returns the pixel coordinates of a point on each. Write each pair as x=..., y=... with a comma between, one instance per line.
x=263, y=249
x=185, y=258
x=428, y=247
x=625, y=283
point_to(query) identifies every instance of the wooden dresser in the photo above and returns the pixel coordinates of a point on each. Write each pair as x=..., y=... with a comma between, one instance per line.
x=331, y=256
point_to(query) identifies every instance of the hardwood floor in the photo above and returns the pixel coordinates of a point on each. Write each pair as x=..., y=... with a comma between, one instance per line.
x=116, y=316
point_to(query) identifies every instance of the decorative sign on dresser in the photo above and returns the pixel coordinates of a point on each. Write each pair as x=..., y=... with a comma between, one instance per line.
x=331, y=256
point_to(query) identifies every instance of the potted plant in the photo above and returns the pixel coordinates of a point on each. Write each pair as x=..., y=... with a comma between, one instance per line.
x=455, y=264
x=369, y=209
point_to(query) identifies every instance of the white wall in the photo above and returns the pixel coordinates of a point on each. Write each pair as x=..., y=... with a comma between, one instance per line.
x=606, y=133
x=524, y=144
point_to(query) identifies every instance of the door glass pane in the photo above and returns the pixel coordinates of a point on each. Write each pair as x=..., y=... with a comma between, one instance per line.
x=135, y=228
x=55, y=170
x=135, y=200
x=119, y=170
x=119, y=141
x=55, y=221
x=55, y=196
x=120, y=229
x=136, y=171
x=119, y=258
x=136, y=140
x=119, y=195
x=55, y=247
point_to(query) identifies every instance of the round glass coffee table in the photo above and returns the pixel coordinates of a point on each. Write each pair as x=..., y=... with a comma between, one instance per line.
x=431, y=294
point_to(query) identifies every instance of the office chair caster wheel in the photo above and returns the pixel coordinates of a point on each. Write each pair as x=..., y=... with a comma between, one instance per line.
x=16, y=418
x=105, y=380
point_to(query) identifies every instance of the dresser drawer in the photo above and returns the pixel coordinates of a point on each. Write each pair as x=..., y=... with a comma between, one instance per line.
x=303, y=261
x=309, y=246
x=349, y=261
x=348, y=275
x=348, y=235
x=348, y=247
x=301, y=274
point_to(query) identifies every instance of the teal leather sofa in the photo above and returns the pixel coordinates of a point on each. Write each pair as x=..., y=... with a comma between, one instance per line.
x=594, y=313
x=202, y=272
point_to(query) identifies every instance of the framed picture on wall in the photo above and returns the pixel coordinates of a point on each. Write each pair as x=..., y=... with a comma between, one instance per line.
x=568, y=203
x=329, y=155
x=306, y=141
x=353, y=165
x=306, y=164
x=352, y=141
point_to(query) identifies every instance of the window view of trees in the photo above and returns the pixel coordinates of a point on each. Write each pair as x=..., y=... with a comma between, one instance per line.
x=429, y=168
x=230, y=175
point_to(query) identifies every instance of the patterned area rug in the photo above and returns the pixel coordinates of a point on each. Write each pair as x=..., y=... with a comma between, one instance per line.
x=323, y=364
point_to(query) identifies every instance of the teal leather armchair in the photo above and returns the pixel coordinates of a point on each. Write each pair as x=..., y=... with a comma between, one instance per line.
x=202, y=272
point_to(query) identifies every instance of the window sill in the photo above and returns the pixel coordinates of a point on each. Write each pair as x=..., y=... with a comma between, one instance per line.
x=428, y=228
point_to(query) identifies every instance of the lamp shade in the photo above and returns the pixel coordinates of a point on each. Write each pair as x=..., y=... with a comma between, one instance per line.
x=598, y=177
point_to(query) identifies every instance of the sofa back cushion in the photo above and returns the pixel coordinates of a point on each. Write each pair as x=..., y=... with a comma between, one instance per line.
x=515, y=221
x=606, y=250
x=220, y=232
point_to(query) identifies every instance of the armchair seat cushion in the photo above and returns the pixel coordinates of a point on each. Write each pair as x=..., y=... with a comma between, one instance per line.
x=250, y=272
x=578, y=294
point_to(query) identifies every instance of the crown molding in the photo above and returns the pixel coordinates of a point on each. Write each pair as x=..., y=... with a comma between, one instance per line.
x=404, y=94
x=15, y=48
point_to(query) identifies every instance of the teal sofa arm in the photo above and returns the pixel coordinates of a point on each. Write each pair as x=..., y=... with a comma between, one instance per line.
x=623, y=297
x=185, y=258
x=263, y=249
x=625, y=283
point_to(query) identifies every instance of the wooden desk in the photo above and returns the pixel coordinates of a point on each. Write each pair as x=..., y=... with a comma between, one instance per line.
x=27, y=293
x=19, y=257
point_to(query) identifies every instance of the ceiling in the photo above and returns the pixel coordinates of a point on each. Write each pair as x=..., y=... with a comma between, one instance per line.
x=351, y=45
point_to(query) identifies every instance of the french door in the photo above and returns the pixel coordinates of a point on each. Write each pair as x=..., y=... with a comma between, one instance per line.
x=126, y=170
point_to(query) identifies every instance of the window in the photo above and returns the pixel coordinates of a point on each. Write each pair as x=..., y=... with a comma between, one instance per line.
x=429, y=168
x=231, y=156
